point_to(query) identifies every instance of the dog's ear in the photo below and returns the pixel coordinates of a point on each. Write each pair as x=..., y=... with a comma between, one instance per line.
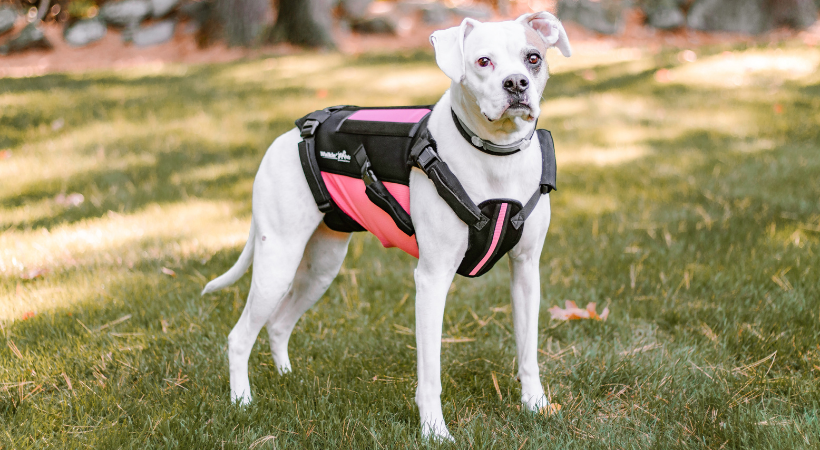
x=449, y=47
x=550, y=29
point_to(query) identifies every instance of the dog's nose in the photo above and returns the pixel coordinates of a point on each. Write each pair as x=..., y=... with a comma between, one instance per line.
x=516, y=84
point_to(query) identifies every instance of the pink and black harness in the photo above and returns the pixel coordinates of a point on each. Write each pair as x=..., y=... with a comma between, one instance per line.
x=357, y=162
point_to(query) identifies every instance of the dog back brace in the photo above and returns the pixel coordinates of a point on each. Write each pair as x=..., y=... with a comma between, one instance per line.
x=387, y=143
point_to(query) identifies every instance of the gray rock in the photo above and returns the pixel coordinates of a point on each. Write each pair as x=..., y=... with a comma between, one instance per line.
x=435, y=14
x=154, y=34
x=29, y=37
x=740, y=16
x=84, y=32
x=125, y=13
x=478, y=11
x=7, y=18
x=602, y=16
x=159, y=8
x=375, y=25
x=798, y=14
x=355, y=9
x=666, y=17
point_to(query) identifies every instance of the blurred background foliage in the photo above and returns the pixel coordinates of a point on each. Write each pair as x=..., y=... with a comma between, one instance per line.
x=311, y=22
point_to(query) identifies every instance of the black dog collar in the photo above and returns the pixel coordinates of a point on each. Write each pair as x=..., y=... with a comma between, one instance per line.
x=487, y=146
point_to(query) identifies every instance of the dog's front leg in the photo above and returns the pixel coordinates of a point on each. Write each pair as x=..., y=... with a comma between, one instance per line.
x=526, y=297
x=433, y=280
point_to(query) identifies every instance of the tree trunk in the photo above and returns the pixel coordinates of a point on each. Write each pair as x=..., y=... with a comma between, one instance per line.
x=304, y=22
x=242, y=21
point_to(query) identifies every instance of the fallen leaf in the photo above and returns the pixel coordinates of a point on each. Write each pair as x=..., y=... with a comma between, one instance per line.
x=778, y=108
x=168, y=272
x=73, y=199
x=550, y=409
x=664, y=76
x=573, y=312
x=28, y=315
x=687, y=56
x=58, y=124
x=34, y=273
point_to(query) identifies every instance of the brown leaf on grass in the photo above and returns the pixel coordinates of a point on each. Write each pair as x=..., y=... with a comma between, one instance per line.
x=28, y=315
x=70, y=200
x=34, y=273
x=550, y=409
x=168, y=272
x=573, y=312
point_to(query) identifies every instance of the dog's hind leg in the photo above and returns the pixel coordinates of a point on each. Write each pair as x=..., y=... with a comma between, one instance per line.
x=277, y=256
x=320, y=264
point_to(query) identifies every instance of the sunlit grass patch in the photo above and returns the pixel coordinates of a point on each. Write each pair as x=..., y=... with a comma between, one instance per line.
x=687, y=206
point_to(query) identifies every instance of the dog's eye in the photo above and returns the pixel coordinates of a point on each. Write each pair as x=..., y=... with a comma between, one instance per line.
x=533, y=58
x=483, y=61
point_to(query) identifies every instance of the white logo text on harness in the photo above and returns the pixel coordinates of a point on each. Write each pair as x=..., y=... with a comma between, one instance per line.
x=341, y=156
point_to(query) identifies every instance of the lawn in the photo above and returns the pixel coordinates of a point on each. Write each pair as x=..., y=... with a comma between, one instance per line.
x=688, y=203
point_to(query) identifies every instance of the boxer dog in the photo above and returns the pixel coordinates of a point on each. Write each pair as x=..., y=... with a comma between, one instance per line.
x=498, y=72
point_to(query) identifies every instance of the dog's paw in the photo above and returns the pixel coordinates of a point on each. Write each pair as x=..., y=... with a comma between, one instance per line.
x=534, y=401
x=241, y=398
x=436, y=431
x=284, y=368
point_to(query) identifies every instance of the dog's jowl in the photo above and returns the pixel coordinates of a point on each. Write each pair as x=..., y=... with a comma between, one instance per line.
x=457, y=185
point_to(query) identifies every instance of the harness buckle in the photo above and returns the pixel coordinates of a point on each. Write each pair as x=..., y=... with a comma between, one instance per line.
x=426, y=157
x=309, y=128
x=368, y=176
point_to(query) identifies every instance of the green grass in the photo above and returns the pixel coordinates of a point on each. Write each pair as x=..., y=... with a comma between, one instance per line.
x=690, y=208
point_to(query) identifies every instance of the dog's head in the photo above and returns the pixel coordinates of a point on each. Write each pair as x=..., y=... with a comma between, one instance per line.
x=501, y=65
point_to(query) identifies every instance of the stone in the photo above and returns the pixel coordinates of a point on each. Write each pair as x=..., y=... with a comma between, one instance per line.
x=602, y=16
x=374, y=25
x=751, y=16
x=160, y=8
x=664, y=14
x=740, y=16
x=797, y=14
x=435, y=14
x=154, y=34
x=125, y=13
x=28, y=38
x=84, y=32
x=198, y=10
x=7, y=18
x=477, y=11
x=355, y=9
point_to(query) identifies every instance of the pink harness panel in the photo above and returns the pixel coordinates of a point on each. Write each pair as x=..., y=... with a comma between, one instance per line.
x=349, y=195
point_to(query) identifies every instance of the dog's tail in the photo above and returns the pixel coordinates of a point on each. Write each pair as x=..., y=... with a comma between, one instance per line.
x=239, y=268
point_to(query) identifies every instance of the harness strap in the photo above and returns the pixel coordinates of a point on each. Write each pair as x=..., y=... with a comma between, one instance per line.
x=307, y=156
x=377, y=192
x=547, y=183
x=423, y=155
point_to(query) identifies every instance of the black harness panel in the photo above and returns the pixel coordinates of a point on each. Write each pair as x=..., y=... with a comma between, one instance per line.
x=377, y=150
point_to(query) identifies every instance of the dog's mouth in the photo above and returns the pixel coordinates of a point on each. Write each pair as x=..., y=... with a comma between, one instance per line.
x=517, y=107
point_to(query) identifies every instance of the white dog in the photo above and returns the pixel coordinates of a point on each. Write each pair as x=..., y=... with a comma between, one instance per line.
x=296, y=256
